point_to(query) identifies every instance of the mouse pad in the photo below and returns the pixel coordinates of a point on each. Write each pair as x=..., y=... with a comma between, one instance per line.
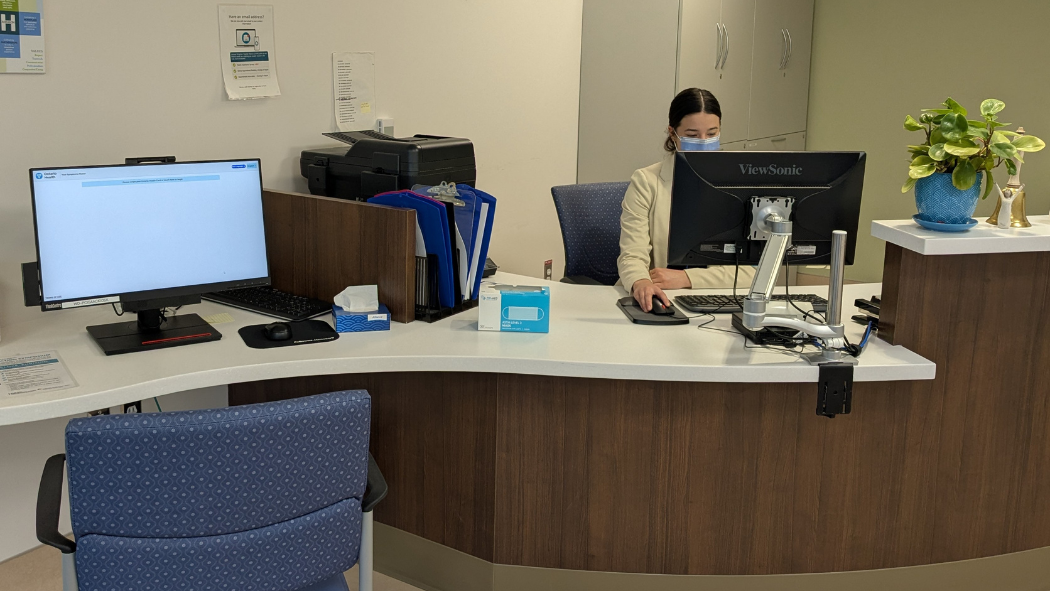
x=303, y=333
x=631, y=309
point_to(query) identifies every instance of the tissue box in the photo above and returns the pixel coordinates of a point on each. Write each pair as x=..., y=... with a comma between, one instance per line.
x=361, y=321
x=514, y=308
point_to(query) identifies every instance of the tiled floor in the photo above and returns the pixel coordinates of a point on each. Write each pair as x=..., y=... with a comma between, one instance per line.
x=41, y=570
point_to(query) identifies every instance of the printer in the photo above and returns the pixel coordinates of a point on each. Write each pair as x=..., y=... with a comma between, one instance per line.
x=376, y=163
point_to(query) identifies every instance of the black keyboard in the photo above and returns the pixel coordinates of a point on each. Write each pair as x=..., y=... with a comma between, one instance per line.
x=725, y=304
x=271, y=302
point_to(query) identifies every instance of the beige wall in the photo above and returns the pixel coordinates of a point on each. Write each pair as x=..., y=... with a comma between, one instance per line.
x=131, y=78
x=876, y=61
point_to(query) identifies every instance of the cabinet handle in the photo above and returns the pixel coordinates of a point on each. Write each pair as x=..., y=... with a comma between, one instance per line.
x=725, y=55
x=783, y=47
x=718, y=41
x=779, y=139
x=787, y=62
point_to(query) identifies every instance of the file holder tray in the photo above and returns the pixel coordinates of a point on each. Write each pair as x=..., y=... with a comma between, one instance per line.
x=428, y=307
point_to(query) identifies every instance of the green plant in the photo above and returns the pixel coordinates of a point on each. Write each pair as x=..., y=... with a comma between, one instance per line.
x=964, y=147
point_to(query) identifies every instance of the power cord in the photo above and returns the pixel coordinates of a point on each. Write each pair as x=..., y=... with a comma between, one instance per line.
x=787, y=294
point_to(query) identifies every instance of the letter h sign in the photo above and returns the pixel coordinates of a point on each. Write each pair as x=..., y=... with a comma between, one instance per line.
x=8, y=23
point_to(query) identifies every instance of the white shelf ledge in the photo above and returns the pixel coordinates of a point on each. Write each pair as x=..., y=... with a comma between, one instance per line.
x=982, y=239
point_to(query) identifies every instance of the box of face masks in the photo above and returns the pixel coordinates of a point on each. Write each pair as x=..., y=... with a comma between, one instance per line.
x=514, y=308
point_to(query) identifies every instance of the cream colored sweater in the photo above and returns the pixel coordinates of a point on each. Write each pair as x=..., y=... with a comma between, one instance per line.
x=643, y=232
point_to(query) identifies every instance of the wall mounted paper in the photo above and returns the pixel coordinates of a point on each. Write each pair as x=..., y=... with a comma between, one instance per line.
x=354, y=81
x=21, y=36
x=247, y=51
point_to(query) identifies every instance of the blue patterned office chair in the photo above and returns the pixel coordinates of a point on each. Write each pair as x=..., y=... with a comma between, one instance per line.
x=274, y=496
x=590, y=228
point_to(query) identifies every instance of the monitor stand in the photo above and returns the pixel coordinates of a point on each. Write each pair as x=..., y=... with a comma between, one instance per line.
x=152, y=331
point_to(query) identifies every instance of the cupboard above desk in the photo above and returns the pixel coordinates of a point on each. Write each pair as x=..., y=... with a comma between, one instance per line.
x=753, y=55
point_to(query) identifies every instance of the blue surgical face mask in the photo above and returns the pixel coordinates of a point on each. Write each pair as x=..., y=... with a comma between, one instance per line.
x=695, y=144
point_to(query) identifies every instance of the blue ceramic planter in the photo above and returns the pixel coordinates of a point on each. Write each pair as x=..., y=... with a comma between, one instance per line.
x=939, y=201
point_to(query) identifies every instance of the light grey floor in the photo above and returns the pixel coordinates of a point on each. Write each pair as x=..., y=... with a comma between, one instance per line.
x=41, y=570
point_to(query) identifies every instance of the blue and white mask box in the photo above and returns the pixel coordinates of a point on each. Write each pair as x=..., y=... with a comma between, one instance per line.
x=346, y=321
x=514, y=308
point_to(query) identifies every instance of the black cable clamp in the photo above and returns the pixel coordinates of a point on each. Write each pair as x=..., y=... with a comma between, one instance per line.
x=834, y=389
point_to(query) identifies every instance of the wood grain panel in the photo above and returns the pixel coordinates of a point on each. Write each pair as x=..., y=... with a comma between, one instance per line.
x=433, y=435
x=983, y=320
x=317, y=246
x=746, y=479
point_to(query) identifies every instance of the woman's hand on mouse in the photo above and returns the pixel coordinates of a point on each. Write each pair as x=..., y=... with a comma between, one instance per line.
x=670, y=279
x=643, y=292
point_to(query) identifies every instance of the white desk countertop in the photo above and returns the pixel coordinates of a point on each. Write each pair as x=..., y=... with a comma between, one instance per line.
x=984, y=238
x=590, y=338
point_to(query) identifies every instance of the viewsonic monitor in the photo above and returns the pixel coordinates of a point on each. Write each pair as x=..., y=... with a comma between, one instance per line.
x=717, y=196
x=149, y=237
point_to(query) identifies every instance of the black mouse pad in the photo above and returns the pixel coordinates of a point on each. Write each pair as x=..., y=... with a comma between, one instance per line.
x=631, y=309
x=303, y=332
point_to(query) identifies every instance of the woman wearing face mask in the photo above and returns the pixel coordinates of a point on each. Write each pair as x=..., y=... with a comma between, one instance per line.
x=694, y=123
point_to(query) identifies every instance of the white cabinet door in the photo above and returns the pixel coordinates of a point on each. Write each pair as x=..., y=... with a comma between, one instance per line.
x=627, y=81
x=780, y=74
x=792, y=142
x=714, y=53
x=733, y=146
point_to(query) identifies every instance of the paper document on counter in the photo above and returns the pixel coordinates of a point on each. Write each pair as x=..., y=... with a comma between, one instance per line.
x=353, y=79
x=247, y=51
x=34, y=372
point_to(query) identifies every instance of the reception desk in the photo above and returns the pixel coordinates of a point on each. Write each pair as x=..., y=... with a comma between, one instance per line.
x=605, y=451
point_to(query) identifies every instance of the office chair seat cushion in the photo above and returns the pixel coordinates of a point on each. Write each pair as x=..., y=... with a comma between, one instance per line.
x=219, y=471
x=282, y=557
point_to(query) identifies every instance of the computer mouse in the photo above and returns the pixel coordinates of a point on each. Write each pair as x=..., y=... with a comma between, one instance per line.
x=278, y=331
x=660, y=309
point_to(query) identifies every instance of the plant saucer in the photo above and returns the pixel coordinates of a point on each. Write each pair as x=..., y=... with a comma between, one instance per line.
x=942, y=227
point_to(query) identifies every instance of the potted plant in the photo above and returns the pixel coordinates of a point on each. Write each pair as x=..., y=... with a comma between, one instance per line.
x=946, y=169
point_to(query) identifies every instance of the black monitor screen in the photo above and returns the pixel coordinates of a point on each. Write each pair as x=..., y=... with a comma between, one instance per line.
x=715, y=195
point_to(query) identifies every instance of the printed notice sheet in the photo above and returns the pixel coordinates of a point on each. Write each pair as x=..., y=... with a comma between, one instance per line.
x=353, y=77
x=247, y=51
x=34, y=372
x=21, y=37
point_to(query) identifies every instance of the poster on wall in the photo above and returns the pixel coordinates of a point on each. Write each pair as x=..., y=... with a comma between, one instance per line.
x=353, y=78
x=247, y=51
x=21, y=37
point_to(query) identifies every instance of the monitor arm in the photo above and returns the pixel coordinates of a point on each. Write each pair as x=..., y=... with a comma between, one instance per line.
x=831, y=334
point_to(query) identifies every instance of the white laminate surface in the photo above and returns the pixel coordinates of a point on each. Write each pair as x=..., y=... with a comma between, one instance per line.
x=590, y=337
x=984, y=238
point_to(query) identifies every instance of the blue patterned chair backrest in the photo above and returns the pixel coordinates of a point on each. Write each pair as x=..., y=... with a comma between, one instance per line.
x=590, y=227
x=257, y=496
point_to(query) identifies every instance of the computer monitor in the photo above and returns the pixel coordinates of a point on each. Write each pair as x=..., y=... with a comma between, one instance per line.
x=716, y=198
x=148, y=237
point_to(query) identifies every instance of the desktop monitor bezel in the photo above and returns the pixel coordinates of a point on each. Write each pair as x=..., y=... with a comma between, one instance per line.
x=153, y=295
x=682, y=249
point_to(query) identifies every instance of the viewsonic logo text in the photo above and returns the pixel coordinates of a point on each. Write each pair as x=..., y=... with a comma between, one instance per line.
x=772, y=169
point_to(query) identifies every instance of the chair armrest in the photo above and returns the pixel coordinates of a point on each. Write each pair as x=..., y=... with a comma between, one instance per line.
x=48, y=505
x=581, y=280
x=376, y=488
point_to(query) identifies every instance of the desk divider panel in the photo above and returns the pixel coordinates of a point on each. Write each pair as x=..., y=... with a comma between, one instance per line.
x=317, y=246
